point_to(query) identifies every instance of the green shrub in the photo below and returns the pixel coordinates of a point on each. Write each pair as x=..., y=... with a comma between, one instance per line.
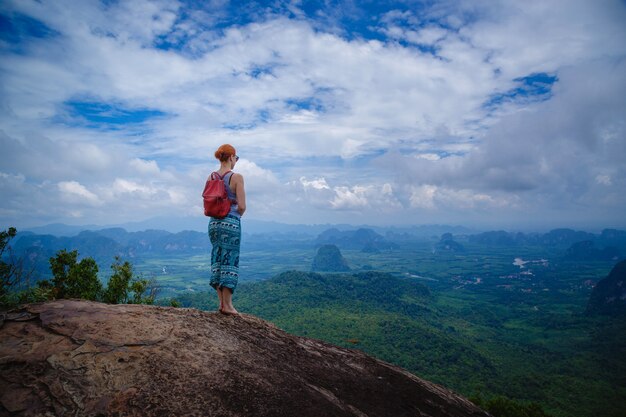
x=119, y=283
x=74, y=279
x=500, y=406
x=124, y=288
x=9, y=275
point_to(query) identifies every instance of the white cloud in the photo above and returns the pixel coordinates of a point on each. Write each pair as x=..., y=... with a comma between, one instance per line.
x=75, y=192
x=423, y=196
x=121, y=186
x=603, y=179
x=429, y=35
x=378, y=198
x=545, y=36
x=316, y=184
x=145, y=167
x=349, y=198
x=432, y=197
x=428, y=156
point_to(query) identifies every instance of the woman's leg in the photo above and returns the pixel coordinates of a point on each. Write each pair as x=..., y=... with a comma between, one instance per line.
x=221, y=298
x=216, y=259
x=227, y=296
x=225, y=237
x=230, y=240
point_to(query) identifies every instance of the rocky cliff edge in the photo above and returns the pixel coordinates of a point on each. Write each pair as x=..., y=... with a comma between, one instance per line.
x=72, y=357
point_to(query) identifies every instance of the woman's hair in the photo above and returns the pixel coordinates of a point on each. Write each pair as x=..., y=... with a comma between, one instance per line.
x=224, y=152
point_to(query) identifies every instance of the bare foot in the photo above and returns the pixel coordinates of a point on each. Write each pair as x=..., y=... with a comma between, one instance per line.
x=229, y=312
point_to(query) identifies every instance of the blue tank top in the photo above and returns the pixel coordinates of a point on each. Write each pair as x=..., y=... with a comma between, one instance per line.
x=233, y=198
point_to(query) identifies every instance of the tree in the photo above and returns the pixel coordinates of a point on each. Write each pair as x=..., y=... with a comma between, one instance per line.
x=12, y=273
x=118, y=286
x=124, y=288
x=139, y=286
x=8, y=275
x=72, y=279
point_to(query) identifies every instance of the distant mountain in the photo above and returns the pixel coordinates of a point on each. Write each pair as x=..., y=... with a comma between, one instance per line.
x=561, y=238
x=105, y=243
x=117, y=241
x=195, y=223
x=609, y=295
x=355, y=239
x=60, y=229
x=496, y=238
x=565, y=237
x=271, y=227
x=398, y=234
x=448, y=244
x=587, y=251
x=370, y=247
x=329, y=259
x=613, y=237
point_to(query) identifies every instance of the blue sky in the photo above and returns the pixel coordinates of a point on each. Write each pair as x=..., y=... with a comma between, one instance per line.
x=493, y=114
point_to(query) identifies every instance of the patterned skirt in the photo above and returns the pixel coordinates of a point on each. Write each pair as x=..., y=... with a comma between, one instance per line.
x=225, y=235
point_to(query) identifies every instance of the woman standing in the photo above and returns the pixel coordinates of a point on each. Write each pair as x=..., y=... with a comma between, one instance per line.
x=225, y=234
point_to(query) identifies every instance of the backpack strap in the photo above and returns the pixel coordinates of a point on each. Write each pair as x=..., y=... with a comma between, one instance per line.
x=215, y=175
x=229, y=174
x=230, y=177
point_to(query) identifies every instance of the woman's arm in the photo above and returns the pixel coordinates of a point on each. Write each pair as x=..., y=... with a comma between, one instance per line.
x=240, y=193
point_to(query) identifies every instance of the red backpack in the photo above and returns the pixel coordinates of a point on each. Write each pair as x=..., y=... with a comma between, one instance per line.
x=216, y=201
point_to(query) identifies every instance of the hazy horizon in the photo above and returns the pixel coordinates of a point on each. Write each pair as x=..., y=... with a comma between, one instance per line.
x=258, y=225
x=491, y=115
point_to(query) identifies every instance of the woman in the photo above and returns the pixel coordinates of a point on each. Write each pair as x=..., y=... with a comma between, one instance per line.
x=225, y=233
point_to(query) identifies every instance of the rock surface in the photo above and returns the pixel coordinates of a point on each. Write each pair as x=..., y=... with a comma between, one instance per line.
x=72, y=357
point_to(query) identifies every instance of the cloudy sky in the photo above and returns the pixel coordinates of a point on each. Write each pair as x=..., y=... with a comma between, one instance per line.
x=491, y=113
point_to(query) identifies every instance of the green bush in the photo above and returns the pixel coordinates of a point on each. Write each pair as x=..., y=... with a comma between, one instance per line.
x=8, y=275
x=80, y=280
x=500, y=406
x=119, y=283
x=12, y=274
x=74, y=279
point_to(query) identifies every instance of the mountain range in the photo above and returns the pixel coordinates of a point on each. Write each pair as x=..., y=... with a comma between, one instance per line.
x=106, y=243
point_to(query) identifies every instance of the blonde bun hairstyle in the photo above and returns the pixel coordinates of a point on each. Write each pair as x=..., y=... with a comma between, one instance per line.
x=224, y=152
